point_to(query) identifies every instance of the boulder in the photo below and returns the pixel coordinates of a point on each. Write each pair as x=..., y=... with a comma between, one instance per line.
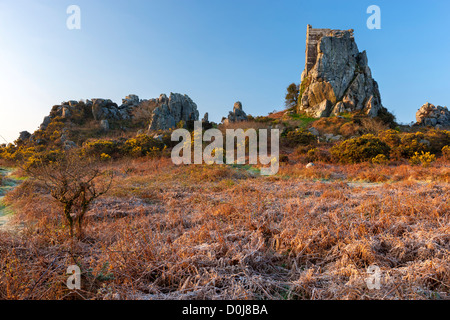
x=105, y=109
x=431, y=115
x=104, y=124
x=131, y=99
x=321, y=110
x=24, y=136
x=45, y=123
x=314, y=131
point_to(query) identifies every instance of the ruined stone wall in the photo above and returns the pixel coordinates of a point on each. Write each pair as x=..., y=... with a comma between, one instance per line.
x=337, y=77
x=312, y=39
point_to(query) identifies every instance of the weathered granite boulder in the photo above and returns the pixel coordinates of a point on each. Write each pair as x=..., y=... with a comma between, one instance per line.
x=236, y=115
x=171, y=110
x=431, y=115
x=104, y=124
x=337, y=77
x=130, y=101
x=24, y=136
x=45, y=123
x=105, y=109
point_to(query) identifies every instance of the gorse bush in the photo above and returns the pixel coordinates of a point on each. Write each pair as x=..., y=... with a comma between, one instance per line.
x=446, y=152
x=105, y=157
x=318, y=155
x=142, y=145
x=99, y=147
x=360, y=149
x=405, y=145
x=423, y=158
x=299, y=137
x=437, y=139
x=380, y=159
x=409, y=145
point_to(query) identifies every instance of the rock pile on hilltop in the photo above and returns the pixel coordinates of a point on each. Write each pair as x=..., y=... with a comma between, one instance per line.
x=431, y=115
x=337, y=77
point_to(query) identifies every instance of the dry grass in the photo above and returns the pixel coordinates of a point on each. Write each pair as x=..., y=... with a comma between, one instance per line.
x=217, y=232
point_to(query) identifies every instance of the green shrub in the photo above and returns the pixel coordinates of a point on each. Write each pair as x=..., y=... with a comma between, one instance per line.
x=360, y=149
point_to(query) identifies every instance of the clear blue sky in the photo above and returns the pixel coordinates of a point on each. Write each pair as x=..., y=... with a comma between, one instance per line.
x=216, y=51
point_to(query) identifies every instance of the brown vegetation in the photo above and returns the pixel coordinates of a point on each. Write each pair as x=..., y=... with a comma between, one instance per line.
x=375, y=196
x=220, y=232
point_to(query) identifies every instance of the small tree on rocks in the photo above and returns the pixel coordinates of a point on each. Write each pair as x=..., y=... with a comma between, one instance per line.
x=292, y=94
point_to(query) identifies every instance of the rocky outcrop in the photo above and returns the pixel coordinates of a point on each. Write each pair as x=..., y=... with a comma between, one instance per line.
x=236, y=115
x=431, y=115
x=337, y=77
x=171, y=110
x=105, y=109
x=99, y=109
x=24, y=136
x=168, y=111
x=45, y=123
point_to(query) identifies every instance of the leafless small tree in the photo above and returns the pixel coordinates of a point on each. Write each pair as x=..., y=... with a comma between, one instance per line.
x=75, y=183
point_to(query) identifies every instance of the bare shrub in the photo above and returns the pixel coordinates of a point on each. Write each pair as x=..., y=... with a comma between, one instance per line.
x=75, y=183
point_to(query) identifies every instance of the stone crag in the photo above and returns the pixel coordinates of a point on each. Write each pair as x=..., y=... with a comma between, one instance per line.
x=337, y=77
x=236, y=115
x=171, y=110
x=167, y=112
x=431, y=115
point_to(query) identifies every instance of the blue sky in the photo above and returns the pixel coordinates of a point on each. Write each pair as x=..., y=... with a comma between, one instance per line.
x=216, y=51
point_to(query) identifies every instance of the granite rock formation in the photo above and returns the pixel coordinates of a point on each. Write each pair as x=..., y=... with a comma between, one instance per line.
x=431, y=115
x=171, y=110
x=236, y=115
x=337, y=77
x=168, y=111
